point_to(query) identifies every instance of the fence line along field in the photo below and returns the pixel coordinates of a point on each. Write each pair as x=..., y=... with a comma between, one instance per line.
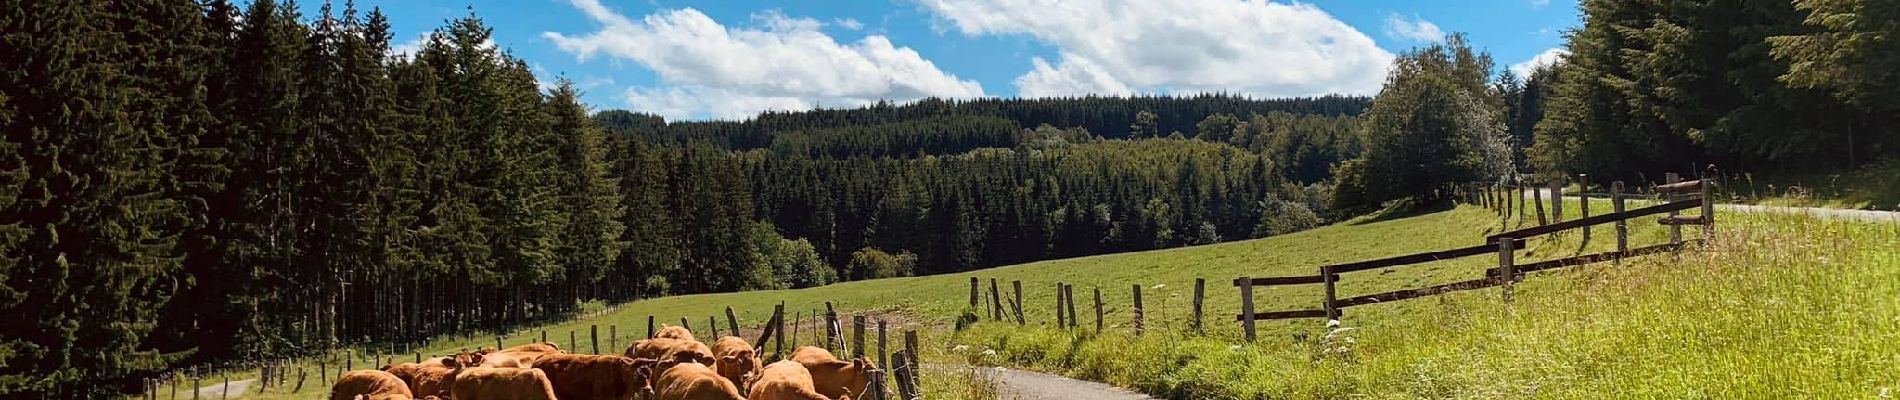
x=936, y=301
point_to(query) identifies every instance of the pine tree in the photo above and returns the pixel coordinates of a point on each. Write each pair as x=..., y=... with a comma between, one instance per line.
x=90, y=227
x=590, y=194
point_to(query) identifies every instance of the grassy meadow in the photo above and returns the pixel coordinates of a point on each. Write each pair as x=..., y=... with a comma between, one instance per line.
x=1776, y=306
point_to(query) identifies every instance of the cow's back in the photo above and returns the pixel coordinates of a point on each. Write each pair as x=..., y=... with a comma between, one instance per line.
x=486, y=383
x=784, y=380
x=689, y=381
x=581, y=376
x=376, y=384
x=526, y=354
x=427, y=378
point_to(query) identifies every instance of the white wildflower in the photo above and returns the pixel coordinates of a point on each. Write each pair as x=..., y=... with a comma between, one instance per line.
x=989, y=353
x=960, y=348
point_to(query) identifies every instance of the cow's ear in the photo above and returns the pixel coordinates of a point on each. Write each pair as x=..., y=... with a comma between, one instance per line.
x=452, y=362
x=860, y=364
x=729, y=359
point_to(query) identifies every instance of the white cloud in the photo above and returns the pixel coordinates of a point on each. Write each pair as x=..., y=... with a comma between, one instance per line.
x=707, y=69
x=1414, y=29
x=1131, y=46
x=408, y=49
x=848, y=23
x=1539, y=3
x=1547, y=57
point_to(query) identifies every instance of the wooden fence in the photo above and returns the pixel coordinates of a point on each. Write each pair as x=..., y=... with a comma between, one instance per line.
x=1505, y=245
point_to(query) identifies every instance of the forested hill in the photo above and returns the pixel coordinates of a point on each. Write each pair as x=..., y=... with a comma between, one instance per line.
x=942, y=186
x=1108, y=117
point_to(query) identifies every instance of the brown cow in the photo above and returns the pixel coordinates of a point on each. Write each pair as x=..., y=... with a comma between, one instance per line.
x=527, y=353
x=482, y=383
x=675, y=332
x=736, y=361
x=581, y=376
x=671, y=349
x=432, y=377
x=689, y=381
x=370, y=384
x=833, y=377
x=786, y=380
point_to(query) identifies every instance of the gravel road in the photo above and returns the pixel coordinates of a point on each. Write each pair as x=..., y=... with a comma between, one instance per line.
x=1027, y=385
x=1817, y=212
x=236, y=389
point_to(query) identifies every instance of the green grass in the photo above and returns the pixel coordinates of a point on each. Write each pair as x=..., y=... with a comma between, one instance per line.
x=1775, y=307
x=1457, y=345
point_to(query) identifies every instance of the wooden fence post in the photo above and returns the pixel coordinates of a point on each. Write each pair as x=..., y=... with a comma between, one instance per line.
x=197, y=379
x=1068, y=292
x=1622, y=225
x=796, y=316
x=1200, y=288
x=883, y=354
x=1246, y=305
x=712, y=327
x=593, y=337
x=876, y=384
x=613, y=337
x=1584, y=205
x=972, y=293
x=544, y=336
x=174, y=382
x=1327, y=277
x=833, y=338
x=778, y=341
x=1708, y=210
x=224, y=392
x=1506, y=250
x=1537, y=199
x=732, y=321
x=904, y=371
x=1557, y=201
x=916, y=358
x=498, y=342
x=649, y=327
x=298, y=388
x=1060, y=321
x=1140, y=325
x=1017, y=286
x=685, y=324
x=1675, y=231
x=573, y=339
x=996, y=301
x=857, y=335
x=1098, y=309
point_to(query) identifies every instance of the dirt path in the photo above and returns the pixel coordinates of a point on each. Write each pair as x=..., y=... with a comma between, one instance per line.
x=235, y=389
x=1817, y=212
x=1014, y=384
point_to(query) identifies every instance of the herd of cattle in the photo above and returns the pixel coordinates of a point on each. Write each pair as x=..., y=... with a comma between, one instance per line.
x=671, y=366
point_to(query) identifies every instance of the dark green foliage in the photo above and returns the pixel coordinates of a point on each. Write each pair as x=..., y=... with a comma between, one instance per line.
x=1753, y=85
x=103, y=108
x=1436, y=122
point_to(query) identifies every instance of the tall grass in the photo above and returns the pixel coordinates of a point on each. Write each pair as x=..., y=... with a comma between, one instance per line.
x=1773, y=307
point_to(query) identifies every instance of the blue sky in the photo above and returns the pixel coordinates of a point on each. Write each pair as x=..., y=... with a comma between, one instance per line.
x=731, y=59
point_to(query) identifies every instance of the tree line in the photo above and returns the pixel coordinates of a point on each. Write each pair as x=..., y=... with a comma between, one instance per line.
x=1743, y=85
x=186, y=182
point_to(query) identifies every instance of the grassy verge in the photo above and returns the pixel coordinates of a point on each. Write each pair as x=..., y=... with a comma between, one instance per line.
x=1775, y=307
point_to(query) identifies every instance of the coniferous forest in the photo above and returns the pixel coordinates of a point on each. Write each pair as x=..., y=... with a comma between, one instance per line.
x=186, y=182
